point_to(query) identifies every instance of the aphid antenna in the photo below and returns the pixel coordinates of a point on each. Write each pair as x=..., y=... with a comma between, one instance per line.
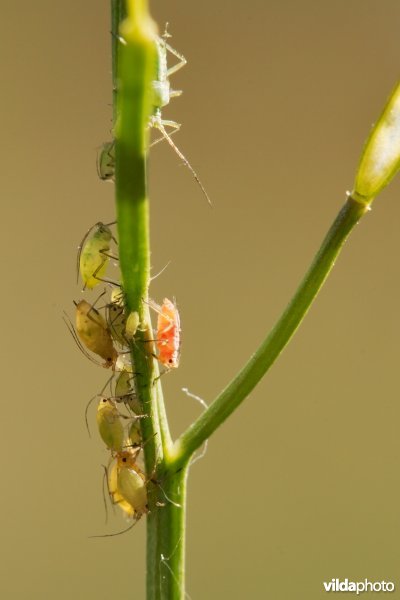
x=78, y=342
x=160, y=272
x=106, y=535
x=105, y=481
x=159, y=124
x=92, y=399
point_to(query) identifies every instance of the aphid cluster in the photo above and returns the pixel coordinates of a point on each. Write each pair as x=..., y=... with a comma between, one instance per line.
x=105, y=331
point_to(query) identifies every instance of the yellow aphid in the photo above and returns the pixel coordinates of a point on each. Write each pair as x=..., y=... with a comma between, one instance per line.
x=94, y=254
x=131, y=325
x=93, y=332
x=109, y=422
x=127, y=484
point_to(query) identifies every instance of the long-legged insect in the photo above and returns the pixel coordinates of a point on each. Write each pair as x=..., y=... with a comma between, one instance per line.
x=94, y=254
x=162, y=94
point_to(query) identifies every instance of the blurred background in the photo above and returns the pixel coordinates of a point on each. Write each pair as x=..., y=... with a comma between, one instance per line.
x=301, y=484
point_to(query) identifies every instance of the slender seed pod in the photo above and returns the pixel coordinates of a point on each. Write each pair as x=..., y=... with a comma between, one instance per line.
x=93, y=331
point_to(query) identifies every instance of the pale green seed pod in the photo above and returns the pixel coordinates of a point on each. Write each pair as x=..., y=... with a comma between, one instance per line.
x=380, y=160
x=93, y=255
x=132, y=324
x=93, y=331
x=109, y=422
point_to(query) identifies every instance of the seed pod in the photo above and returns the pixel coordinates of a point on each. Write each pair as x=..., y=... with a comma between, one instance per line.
x=380, y=160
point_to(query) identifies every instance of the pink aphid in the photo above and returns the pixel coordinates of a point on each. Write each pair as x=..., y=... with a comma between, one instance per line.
x=168, y=335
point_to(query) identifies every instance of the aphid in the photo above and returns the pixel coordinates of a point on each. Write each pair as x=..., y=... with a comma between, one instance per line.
x=116, y=319
x=131, y=325
x=109, y=422
x=162, y=94
x=94, y=333
x=127, y=484
x=168, y=333
x=94, y=254
x=106, y=161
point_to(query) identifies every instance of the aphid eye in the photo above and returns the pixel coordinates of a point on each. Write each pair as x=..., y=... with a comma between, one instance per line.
x=170, y=360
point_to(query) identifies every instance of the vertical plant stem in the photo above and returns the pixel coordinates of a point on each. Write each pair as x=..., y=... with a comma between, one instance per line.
x=134, y=63
x=172, y=523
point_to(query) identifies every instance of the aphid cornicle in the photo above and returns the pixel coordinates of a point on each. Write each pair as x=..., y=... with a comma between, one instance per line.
x=127, y=484
x=94, y=254
x=93, y=331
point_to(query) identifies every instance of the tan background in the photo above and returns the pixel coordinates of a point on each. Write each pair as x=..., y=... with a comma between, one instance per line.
x=302, y=484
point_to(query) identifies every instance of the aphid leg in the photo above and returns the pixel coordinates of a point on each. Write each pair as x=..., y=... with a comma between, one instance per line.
x=104, y=253
x=179, y=65
x=162, y=138
x=160, y=124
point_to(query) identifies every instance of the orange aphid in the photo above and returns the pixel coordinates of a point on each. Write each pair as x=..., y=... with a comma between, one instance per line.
x=168, y=334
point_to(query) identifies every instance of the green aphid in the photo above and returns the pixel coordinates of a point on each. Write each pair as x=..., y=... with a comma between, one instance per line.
x=116, y=320
x=106, y=161
x=125, y=392
x=131, y=325
x=109, y=422
x=135, y=434
x=94, y=254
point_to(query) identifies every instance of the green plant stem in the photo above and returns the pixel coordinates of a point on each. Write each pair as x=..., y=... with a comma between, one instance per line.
x=133, y=71
x=259, y=363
